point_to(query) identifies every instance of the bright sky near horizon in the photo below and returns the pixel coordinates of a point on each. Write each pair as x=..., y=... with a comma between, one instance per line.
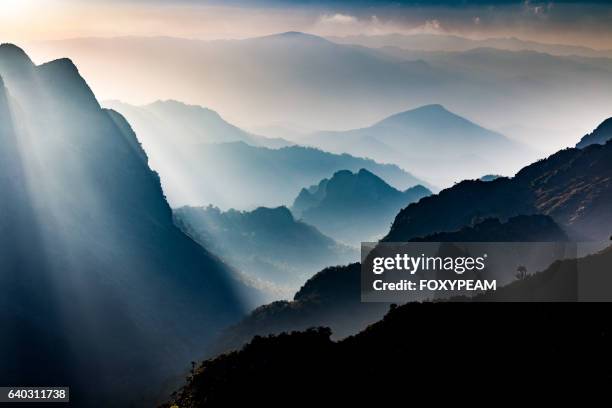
x=585, y=23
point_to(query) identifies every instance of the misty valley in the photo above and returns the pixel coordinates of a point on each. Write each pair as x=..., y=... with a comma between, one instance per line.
x=185, y=222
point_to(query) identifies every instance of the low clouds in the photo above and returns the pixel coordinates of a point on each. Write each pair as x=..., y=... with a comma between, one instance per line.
x=339, y=24
x=341, y=19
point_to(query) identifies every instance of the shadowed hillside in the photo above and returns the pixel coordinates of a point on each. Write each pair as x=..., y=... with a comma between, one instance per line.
x=330, y=298
x=272, y=249
x=522, y=228
x=101, y=291
x=573, y=187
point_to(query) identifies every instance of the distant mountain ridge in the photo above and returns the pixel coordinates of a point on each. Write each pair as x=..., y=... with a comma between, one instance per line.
x=432, y=142
x=188, y=124
x=442, y=42
x=203, y=159
x=354, y=207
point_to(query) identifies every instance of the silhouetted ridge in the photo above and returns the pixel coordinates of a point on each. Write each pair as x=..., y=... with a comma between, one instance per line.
x=522, y=228
x=600, y=135
x=573, y=187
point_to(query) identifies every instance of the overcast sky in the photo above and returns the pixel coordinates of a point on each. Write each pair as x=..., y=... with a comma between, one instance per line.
x=584, y=23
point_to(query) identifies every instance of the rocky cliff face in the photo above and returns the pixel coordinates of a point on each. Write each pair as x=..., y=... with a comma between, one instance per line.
x=99, y=283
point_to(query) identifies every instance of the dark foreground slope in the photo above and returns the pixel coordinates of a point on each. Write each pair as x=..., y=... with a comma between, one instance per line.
x=101, y=291
x=331, y=298
x=573, y=187
x=447, y=349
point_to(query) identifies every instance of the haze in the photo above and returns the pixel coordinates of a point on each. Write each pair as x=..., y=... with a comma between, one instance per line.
x=126, y=52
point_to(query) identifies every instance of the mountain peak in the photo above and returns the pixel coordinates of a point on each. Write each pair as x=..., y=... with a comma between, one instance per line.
x=8, y=50
x=13, y=60
x=294, y=35
x=434, y=107
x=426, y=113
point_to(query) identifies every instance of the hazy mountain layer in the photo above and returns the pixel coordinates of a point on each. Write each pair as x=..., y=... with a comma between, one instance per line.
x=432, y=142
x=273, y=250
x=101, y=291
x=317, y=84
x=441, y=42
x=202, y=159
x=241, y=176
x=185, y=125
x=354, y=207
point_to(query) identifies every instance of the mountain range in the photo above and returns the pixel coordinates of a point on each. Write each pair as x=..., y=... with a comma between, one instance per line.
x=353, y=207
x=275, y=252
x=101, y=290
x=320, y=84
x=432, y=142
x=188, y=125
x=564, y=197
x=202, y=159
